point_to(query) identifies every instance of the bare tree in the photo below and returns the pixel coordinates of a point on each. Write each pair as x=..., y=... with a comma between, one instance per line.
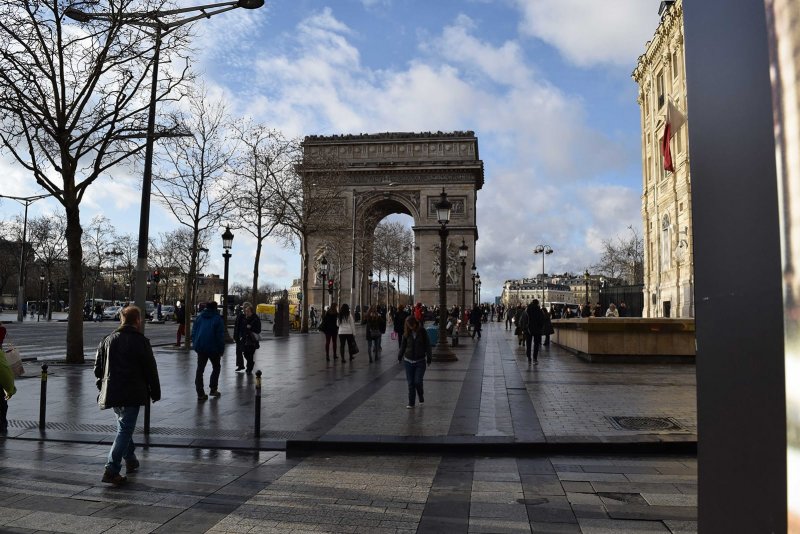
x=622, y=259
x=189, y=179
x=67, y=93
x=97, y=240
x=47, y=236
x=308, y=201
x=265, y=155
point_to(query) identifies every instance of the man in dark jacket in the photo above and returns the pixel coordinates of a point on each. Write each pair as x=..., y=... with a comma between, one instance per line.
x=127, y=377
x=208, y=340
x=532, y=324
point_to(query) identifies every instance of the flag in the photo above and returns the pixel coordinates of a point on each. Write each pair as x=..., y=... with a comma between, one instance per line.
x=673, y=121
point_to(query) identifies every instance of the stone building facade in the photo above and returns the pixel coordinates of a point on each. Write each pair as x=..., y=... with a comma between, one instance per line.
x=666, y=195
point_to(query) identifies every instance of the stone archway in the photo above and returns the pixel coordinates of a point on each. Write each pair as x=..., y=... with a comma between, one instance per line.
x=398, y=173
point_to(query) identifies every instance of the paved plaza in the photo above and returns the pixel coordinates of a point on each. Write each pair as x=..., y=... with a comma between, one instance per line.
x=499, y=446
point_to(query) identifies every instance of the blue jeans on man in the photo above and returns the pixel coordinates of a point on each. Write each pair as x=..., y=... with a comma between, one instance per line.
x=414, y=373
x=374, y=347
x=123, y=447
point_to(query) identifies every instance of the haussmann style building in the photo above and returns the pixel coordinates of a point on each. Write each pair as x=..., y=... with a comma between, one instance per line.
x=666, y=180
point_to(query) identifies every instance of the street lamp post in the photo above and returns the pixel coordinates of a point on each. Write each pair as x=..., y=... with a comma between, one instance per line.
x=227, y=243
x=323, y=270
x=114, y=253
x=478, y=288
x=369, y=300
x=155, y=20
x=41, y=291
x=474, y=271
x=462, y=253
x=544, y=250
x=25, y=201
x=394, y=292
x=442, y=352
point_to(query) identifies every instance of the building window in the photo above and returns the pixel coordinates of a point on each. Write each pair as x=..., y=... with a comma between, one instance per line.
x=680, y=206
x=666, y=244
x=660, y=89
x=675, y=64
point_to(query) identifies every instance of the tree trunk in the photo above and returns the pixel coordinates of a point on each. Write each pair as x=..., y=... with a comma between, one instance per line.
x=255, y=273
x=75, y=273
x=304, y=288
x=191, y=291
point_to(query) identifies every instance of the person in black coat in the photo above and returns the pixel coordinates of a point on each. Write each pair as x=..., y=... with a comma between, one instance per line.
x=246, y=333
x=475, y=319
x=127, y=378
x=414, y=353
x=532, y=325
x=399, y=323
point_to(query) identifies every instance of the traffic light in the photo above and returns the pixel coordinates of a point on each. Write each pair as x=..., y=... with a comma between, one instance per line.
x=330, y=285
x=156, y=276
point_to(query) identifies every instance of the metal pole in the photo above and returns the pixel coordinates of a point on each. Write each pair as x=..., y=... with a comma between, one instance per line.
x=462, y=326
x=257, y=430
x=324, y=278
x=43, y=398
x=228, y=339
x=353, y=266
x=144, y=215
x=442, y=351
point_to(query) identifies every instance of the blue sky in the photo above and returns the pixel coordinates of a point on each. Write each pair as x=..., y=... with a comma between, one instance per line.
x=545, y=85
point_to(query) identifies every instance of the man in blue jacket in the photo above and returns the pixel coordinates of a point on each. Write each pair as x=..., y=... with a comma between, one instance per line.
x=208, y=340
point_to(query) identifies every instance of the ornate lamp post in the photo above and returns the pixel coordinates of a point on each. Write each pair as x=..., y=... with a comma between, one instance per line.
x=478, y=284
x=442, y=352
x=394, y=292
x=227, y=243
x=157, y=20
x=323, y=271
x=462, y=253
x=114, y=253
x=544, y=250
x=474, y=271
x=369, y=300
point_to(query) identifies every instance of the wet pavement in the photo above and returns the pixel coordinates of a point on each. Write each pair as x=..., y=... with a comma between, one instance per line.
x=499, y=446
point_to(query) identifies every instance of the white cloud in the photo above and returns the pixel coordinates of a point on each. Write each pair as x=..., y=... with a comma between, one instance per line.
x=588, y=32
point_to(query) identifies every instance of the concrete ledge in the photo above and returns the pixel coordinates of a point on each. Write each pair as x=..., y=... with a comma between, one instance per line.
x=628, y=340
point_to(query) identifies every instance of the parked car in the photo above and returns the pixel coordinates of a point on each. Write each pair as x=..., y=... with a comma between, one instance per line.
x=168, y=313
x=112, y=312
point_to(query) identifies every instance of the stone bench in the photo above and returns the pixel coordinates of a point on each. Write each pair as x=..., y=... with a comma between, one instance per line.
x=629, y=339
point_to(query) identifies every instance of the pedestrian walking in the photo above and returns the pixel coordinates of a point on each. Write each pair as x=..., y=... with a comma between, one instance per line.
x=399, y=324
x=330, y=328
x=312, y=314
x=208, y=339
x=509, y=318
x=532, y=324
x=127, y=378
x=415, y=352
x=6, y=383
x=475, y=319
x=547, y=326
x=347, y=330
x=376, y=327
x=180, y=317
x=247, y=333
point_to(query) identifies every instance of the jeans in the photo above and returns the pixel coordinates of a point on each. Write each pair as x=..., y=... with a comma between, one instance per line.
x=399, y=339
x=344, y=340
x=374, y=347
x=328, y=339
x=202, y=360
x=414, y=373
x=123, y=446
x=536, y=341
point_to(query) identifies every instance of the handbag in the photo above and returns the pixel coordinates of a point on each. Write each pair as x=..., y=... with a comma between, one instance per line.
x=352, y=345
x=393, y=335
x=14, y=361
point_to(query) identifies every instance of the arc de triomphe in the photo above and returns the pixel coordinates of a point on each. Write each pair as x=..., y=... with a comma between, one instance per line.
x=397, y=172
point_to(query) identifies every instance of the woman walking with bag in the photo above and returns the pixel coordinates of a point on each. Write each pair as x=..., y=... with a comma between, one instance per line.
x=246, y=333
x=330, y=328
x=376, y=326
x=347, y=330
x=414, y=352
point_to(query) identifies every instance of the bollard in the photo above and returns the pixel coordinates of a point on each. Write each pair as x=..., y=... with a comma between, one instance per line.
x=147, y=417
x=258, y=405
x=43, y=398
